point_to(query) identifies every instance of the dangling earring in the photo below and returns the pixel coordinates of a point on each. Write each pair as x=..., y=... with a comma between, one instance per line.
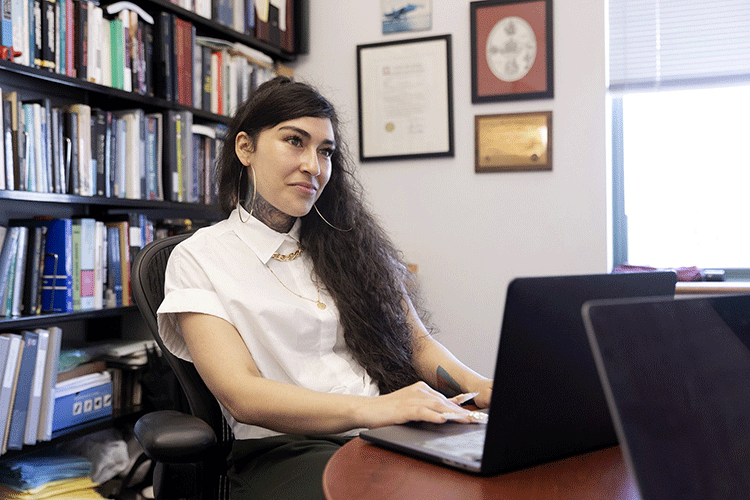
x=324, y=220
x=239, y=188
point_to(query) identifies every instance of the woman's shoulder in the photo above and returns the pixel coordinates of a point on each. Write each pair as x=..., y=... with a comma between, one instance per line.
x=205, y=235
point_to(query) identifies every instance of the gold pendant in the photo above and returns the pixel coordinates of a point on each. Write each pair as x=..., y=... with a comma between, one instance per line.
x=321, y=306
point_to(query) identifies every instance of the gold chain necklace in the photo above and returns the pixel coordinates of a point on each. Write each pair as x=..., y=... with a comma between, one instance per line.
x=317, y=301
x=287, y=257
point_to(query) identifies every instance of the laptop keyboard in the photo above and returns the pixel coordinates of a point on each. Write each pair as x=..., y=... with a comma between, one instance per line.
x=469, y=445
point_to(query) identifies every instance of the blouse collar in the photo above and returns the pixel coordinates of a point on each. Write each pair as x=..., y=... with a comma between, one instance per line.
x=261, y=239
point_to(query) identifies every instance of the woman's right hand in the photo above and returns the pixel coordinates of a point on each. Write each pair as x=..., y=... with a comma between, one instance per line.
x=417, y=402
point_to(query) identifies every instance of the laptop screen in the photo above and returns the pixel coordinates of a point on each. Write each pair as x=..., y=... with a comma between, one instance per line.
x=549, y=401
x=677, y=378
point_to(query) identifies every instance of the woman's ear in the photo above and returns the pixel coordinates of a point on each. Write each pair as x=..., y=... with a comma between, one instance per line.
x=243, y=148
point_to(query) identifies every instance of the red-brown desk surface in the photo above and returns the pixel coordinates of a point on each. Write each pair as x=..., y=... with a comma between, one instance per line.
x=363, y=471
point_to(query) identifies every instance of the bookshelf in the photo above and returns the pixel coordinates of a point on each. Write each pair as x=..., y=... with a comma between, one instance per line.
x=25, y=201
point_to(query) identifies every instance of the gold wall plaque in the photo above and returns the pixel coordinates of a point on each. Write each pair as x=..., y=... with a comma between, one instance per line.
x=513, y=142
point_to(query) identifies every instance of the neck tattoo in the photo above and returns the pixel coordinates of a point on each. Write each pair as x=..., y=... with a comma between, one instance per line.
x=271, y=216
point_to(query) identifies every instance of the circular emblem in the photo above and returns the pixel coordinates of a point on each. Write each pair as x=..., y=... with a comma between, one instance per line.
x=390, y=127
x=511, y=49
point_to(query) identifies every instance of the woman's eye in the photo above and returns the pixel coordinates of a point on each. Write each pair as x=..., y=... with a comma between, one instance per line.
x=294, y=140
x=326, y=152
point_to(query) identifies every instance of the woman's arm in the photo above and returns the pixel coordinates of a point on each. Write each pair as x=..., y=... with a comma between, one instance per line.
x=440, y=368
x=229, y=371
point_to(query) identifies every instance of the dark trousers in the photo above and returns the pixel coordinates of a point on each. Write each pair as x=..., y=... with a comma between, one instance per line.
x=287, y=467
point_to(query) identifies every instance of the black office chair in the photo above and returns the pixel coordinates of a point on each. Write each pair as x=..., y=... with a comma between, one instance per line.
x=189, y=450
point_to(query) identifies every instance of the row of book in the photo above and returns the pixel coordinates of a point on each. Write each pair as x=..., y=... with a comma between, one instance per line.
x=29, y=363
x=41, y=393
x=77, y=149
x=272, y=21
x=67, y=265
x=122, y=46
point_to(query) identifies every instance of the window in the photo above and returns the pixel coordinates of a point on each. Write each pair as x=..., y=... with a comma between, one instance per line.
x=680, y=90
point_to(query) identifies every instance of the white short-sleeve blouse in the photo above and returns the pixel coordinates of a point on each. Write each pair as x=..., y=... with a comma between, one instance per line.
x=223, y=270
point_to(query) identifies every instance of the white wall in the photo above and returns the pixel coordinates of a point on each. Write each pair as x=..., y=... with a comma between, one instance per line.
x=472, y=233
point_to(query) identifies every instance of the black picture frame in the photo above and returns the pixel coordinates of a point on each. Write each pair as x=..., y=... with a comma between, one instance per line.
x=405, y=99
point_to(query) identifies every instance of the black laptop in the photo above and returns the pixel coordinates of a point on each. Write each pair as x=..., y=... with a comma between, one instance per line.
x=677, y=378
x=547, y=401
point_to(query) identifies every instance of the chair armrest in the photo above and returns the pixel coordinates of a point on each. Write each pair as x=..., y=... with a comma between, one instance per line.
x=173, y=436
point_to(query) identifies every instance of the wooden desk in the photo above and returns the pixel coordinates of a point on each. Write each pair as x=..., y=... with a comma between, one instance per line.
x=712, y=287
x=362, y=471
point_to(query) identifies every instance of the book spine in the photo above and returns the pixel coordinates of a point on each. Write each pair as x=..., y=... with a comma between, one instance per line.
x=57, y=281
x=81, y=32
x=23, y=391
x=98, y=145
x=70, y=46
x=6, y=24
x=49, y=25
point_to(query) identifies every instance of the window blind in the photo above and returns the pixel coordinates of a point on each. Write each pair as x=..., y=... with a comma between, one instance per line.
x=669, y=43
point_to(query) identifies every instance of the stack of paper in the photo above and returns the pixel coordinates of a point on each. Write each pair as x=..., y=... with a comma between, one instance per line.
x=46, y=474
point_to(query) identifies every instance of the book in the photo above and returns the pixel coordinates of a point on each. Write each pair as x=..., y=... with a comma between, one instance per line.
x=95, y=366
x=117, y=53
x=98, y=137
x=114, y=265
x=36, y=32
x=163, y=61
x=86, y=262
x=19, y=275
x=171, y=156
x=61, y=37
x=29, y=165
x=58, y=153
x=20, y=29
x=121, y=156
x=46, y=409
x=116, y=7
x=155, y=145
x=70, y=135
x=9, y=383
x=76, y=255
x=23, y=390
x=100, y=263
x=57, y=280
x=123, y=252
x=8, y=148
x=105, y=31
x=49, y=26
x=37, y=382
x=8, y=253
x=80, y=9
x=4, y=394
x=70, y=33
x=94, y=26
x=82, y=399
x=135, y=132
x=34, y=266
x=127, y=74
x=2, y=141
x=86, y=175
x=110, y=148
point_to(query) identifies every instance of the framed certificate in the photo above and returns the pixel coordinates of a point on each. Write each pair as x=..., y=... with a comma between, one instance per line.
x=405, y=99
x=513, y=142
x=511, y=50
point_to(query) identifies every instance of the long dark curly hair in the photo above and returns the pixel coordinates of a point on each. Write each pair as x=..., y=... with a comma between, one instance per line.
x=357, y=263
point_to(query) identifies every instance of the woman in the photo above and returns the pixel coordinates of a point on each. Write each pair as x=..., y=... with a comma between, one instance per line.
x=296, y=309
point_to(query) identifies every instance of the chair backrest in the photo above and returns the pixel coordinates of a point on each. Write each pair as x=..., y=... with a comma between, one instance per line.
x=147, y=285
